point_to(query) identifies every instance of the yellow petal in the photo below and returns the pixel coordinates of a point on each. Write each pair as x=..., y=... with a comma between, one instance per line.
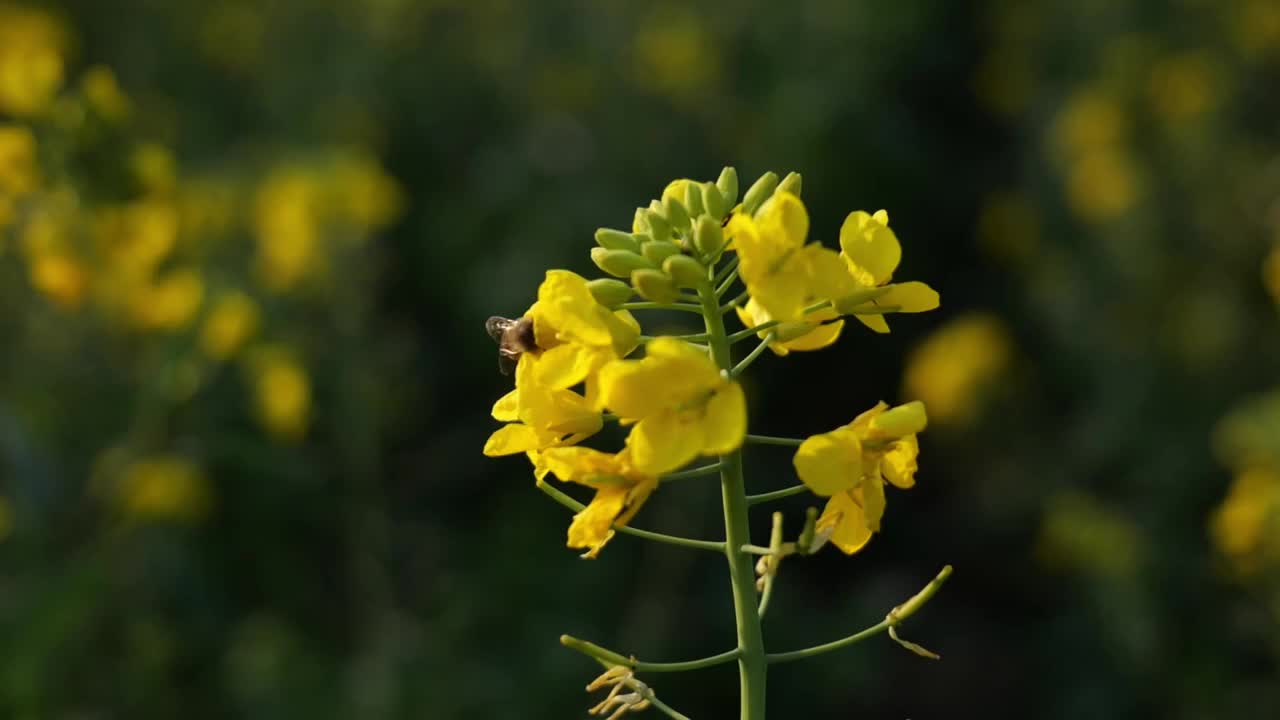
x=725, y=421
x=842, y=517
x=515, y=438
x=593, y=527
x=910, y=297
x=906, y=419
x=870, y=247
x=821, y=336
x=786, y=216
x=899, y=463
x=633, y=389
x=830, y=462
x=581, y=465
x=875, y=322
x=829, y=273
x=506, y=407
x=661, y=444
x=564, y=366
x=872, y=502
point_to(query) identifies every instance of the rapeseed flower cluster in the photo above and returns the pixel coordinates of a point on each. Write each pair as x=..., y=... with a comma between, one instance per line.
x=680, y=400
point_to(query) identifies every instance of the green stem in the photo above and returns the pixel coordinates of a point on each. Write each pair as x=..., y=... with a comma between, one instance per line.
x=751, y=357
x=727, y=282
x=771, y=440
x=686, y=307
x=776, y=494
x=893, y=619
x=693, y=473
x=721, y=280
x=576, y=506
x=609, y=657
x=752, y=664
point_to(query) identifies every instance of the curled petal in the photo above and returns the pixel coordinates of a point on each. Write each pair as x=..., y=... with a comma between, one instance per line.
x=910, y=297
x=516, y=438
x=843, y=519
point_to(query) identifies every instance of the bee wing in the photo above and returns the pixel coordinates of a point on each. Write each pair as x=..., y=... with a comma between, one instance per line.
x=506, y=364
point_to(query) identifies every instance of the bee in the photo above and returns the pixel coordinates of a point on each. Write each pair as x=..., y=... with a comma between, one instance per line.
x=513, y=337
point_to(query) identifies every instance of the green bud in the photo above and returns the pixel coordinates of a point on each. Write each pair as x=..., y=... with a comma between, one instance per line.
x=655, y=285
x=708, y=236
x=640, y=222
x=728, y=186
x=659, y=250
x=713, y=201
x=676, y=213
x=804, y=543
x=610, y=293
x=790, y=183
x=693, y=199
x=611, y=239
x=759, y=192
x=618, y=263
x=686, y=271
x=658, y=222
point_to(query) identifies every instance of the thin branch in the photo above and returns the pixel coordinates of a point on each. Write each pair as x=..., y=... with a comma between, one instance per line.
x=734, y=303
x=774, y=560
x=711, y=469
x=730, y=268
x=576, y=506
x=611, y=658
x=686, y=307
x=893, y=619
x=771, y=440
x=776, y=494
x=751, y=357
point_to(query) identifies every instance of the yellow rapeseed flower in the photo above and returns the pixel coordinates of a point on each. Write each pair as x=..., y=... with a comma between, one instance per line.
x=231, y=321
x=575, y=334
x=621, y=489
x=163, y=487
x=32, y=43
x=782, y=274
x=682, y=405
x=851, y=463
x=282, y=393
x=539, y=416
x=1248, y=516
x=287, y=229
x=169, y=302
x=60, y=277
x=871, y=253
x=103, y=93
x=813, y=333
x=19, y=172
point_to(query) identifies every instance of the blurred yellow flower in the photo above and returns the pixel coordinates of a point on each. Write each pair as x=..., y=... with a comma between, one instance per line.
x=681, y=404
x=155, y=168
x=363, y=193
x=1087, y=121
x=59, y=277
x=168, y=303
x=1183, y=86
x=287, y=228
x=850, y=464
x=282, y=393
x=135, y=238
x=1271, y=273
x=19, y=172
x=32, y=43
x=950, y=369
x=231, y=322
x=1248, y=520
x=1102, y=184
x=164, y=487
x=104, y=95
x=675, y=54
x=621, y=490
x=1257, y=26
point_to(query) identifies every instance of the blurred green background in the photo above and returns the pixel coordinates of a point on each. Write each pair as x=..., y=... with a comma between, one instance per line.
x=246, y=253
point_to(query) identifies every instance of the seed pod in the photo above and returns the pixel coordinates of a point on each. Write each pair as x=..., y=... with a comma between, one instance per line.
x=611, y=239
x=618, y=263
x=610, y=293
x=658, y=250
x=655, y=285
x=686, y=271
x=708, y=236
x=760, y=191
